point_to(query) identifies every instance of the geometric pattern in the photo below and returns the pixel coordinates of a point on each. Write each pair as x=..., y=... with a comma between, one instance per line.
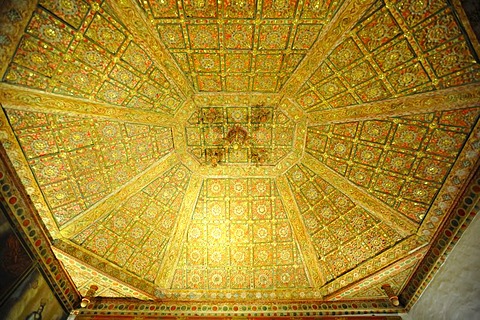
x=344, y=234
x=78, y=161
x=134, y=235
x=396, y=281
x=240, y=238
x=398, y=50
x=270, y=133
x=239, y=45
x=402, y=161
x=83, y=280
x=313, y=232
x=74, y=48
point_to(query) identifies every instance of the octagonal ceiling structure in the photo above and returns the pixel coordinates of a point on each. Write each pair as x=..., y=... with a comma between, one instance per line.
x=241, y=157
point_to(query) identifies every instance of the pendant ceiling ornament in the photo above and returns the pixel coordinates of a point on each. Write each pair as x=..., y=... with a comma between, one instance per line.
x=259, y=135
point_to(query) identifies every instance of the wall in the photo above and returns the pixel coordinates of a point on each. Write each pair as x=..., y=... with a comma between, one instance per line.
x=23, y=288
x=454, y=292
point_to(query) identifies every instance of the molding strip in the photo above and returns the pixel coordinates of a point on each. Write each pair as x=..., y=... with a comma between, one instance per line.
x=144, y=32
x=170, y=260
x=25, y=219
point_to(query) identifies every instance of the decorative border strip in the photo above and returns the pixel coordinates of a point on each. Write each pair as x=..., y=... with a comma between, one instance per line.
x=229, y=309
x=25, y=218
x=331, y=35
x=16, y=97
x=106, y=280
x=83, y=317
x=446, y=237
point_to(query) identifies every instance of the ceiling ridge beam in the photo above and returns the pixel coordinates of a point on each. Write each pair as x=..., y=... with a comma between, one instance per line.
x=103, y=207
x=330, y=36
x=67, y=249
x=378, y=208
x=20, y=98
x=438, y=100
x=174, y=246
x=302, y=237
x=144, y=32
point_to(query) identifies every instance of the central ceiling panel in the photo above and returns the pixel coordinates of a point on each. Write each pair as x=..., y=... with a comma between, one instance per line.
x=239, y=135
x=240, y=45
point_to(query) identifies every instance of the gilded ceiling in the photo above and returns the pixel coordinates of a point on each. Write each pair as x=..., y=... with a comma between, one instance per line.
x=242, y=150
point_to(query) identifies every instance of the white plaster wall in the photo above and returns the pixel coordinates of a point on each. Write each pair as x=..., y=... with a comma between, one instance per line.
x=454, y=292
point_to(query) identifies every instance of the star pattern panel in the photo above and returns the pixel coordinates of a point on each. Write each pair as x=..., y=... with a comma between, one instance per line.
x=399, y=50
x=240, y=238
x=134, y=235
x=239, y=45
x=78, y=48
x=78, y=161
x=402, y=161
x=269, y=135
x=344, y=234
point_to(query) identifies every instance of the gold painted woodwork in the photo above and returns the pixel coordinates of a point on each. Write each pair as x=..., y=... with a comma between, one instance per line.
x=14, y=29
x=136, y=22
x=307, y=249
x=445, y=99
x=100, y=209
x=172, y=255
x=27, y=99
x=141, y=26
x=14, y=151
x=386, y=214
x=105, y=280
x=331, y=35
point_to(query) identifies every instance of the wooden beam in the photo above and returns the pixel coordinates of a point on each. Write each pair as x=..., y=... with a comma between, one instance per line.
x=330, y=36
x=174, y=247
x=439, y=100
x=33, y=100
x=301, y=235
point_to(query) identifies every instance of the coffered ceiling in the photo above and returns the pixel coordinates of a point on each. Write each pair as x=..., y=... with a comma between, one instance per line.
x=241, y=157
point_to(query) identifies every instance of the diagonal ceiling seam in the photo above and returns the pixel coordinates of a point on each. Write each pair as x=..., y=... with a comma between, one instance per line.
x=331, y=35
x=145, y=33
x=303, y=238
x=88, y=217
x=386, y=214
x=173, y=249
